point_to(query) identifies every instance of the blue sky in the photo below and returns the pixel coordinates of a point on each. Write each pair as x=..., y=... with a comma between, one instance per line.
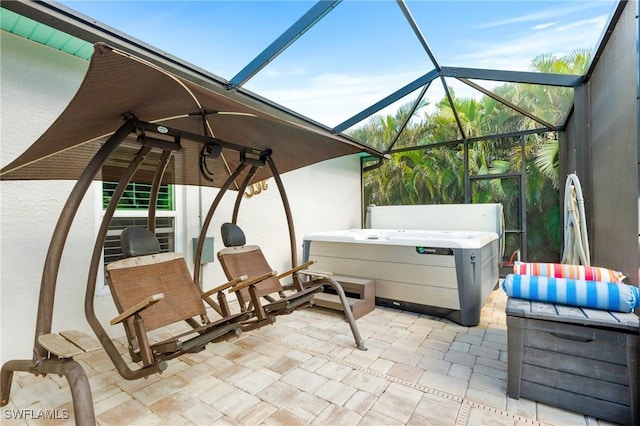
x=362, y=50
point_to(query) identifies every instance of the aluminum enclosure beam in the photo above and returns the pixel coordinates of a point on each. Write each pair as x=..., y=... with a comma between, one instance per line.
x=546, y=79
x=418, y=33
x=295, y=31
x=67, y=20
x=470, y=141
x=62, y=18
x=408, y=117
x=507, y=103
x=416, y=30
x=383, y=103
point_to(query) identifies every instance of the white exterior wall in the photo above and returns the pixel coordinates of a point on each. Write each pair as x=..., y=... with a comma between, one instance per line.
x=36, y=85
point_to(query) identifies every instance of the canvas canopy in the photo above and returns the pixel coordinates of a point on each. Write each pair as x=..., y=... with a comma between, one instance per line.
x=175, y=112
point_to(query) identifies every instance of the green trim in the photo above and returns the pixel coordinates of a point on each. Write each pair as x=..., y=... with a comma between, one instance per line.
x=44, y=34
x=136, y=196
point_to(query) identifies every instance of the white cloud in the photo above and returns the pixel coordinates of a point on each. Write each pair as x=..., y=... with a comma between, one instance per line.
x=543, y=26
x=540, y=15
x=271, y=72
x=516, y=53
x=332, y=98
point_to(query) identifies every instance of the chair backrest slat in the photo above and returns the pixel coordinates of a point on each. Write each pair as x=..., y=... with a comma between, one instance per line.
x=138, y=241
x=250, y=261
x=134, y=279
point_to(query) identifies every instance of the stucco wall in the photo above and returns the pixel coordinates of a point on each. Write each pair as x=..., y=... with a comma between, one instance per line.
x=37, y=83
x=325, y=196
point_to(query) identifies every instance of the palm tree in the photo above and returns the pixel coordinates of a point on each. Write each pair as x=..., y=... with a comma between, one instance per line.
x=437, y=175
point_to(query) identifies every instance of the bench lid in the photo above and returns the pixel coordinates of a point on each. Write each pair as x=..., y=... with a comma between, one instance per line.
x=571, y=314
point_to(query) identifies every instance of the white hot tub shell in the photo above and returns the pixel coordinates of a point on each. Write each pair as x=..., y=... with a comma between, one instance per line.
x=443, y=273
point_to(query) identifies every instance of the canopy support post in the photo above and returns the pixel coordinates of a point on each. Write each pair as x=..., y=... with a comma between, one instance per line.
x=287, y=211
x=241, y=190
x=97, y=328
x=84, y=414
x=207, y=221
x=73, y=372
x=155, y=189
x=294, y=257
x=61, y=232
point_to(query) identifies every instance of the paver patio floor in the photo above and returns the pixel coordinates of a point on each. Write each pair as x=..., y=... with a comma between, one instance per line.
x=305, y=369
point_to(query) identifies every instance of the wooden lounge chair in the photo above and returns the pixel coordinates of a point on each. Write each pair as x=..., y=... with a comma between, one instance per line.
x=153, y=290
x=263, y=282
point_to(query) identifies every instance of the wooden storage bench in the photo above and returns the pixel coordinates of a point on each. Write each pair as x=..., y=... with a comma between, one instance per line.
x=360, y=292
x=578, y=359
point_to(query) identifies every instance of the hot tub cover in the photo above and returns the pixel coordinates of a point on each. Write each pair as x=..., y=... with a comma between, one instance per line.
x=117, y=83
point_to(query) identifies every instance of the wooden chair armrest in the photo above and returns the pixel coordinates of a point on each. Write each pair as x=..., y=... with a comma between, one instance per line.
x=252, y=281
x=296, y=269
x=319, y=274
x=224, y=286
x=137, y=308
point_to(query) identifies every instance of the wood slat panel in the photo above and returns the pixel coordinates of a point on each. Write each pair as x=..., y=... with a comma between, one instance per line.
x=59, y=346
x=580, y=341
x=82, y=340
x=579, y=403
x=600, y=370
x=577, y=385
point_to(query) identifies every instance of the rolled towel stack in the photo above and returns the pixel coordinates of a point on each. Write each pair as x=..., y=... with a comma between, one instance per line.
x=559, y=270
x=574, y=285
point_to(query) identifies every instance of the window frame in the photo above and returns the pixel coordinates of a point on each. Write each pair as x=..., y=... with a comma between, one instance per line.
x=101, y=287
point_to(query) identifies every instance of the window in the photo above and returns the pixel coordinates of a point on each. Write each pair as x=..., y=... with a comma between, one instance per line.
x=136, y=196
x=165, y=232
x=132, y=211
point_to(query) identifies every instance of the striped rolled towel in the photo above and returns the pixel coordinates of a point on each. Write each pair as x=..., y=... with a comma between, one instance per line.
x=587, y=294
x=559, y=270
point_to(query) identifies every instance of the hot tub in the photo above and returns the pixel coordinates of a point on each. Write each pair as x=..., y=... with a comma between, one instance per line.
x=443, y=273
